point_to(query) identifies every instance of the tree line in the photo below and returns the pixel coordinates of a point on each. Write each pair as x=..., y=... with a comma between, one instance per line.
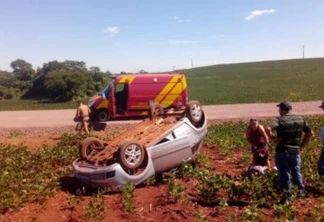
x=55, y=81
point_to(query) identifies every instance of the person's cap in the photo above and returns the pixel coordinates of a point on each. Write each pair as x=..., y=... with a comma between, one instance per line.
x=322, y=105
x=284, y=105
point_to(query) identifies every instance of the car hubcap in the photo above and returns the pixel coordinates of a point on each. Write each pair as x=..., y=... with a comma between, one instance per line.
x=196, y=112
x=132, y=155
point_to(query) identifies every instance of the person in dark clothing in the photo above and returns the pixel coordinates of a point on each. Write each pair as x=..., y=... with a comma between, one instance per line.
x=289, y=142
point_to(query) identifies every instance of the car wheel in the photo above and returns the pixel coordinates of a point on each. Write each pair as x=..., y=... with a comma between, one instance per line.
x=102, y=115
x=131, y=155
x=90, y=146
x=194, y=112
x=156, y=110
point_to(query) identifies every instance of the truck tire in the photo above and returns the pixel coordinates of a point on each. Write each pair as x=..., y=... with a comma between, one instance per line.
x=89, y=146
x=131, y=155
x=156, y=110
x=194, y=112
x=102, y=115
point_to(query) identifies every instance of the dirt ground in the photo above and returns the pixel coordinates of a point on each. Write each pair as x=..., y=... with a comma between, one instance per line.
x=151, y=202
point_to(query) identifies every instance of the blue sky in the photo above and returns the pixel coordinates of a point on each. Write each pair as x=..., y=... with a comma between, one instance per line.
x=159, y=35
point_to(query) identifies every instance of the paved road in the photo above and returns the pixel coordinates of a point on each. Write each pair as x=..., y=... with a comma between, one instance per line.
x=63, y=118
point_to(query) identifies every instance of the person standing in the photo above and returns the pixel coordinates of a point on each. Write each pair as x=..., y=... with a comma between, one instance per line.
x=289, y=142
x=257, y=137
x=320, y=163
x=82, y=116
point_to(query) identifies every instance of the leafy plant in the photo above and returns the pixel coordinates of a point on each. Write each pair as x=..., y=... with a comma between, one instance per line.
x=285, y=212
x=27, y=176
x=176, y=191
x=127, y=197
x=95, y=208
x=200, y=217
x=250, y=214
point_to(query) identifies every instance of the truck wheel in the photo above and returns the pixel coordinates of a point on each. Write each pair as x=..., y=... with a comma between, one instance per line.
x=131, y=155
x=90, y=146
x=194, y=112
x=156, y=110
x=102, y=115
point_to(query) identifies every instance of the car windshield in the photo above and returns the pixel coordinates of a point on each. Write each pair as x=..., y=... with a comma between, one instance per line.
x=106, y=92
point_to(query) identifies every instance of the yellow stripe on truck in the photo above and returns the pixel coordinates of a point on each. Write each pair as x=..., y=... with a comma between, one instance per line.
x=104, y=104
x=165, y=90
x=167, y=96
x=124, y=79
x=174, y=94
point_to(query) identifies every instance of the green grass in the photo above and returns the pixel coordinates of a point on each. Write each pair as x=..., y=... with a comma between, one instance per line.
x=271, y=81
x=255, y=82
x=35, y=105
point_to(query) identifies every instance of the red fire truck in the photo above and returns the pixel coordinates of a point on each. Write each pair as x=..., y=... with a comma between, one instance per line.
x=132, y=95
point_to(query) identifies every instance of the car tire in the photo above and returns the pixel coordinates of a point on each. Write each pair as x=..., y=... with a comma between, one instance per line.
x=90, y=145
x=194, y=112
x=156, y=110
x=102, y=115
x=131, y=155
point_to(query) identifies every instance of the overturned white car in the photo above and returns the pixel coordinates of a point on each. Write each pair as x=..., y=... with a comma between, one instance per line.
x=153, y=146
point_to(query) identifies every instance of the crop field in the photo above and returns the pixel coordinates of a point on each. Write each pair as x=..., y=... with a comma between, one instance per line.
x=211, y=188
x=258, y=82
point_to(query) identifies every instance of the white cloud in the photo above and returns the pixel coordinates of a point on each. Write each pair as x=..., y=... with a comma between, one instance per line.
x=178, y=42
x=256, y=13
x=179, y=20
x=113, y=30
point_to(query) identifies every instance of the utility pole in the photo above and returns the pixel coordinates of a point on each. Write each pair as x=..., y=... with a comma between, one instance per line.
x=303, y=51
x=173, y=67
x=191, y=63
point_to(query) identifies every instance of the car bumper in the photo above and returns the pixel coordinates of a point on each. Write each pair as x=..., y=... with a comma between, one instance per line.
x=112, y=177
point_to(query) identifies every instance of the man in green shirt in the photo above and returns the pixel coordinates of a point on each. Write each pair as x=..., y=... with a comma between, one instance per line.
x=289, y=142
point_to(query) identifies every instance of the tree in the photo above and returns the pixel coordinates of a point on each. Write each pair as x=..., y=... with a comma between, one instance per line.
x=6, y=78
x=75, y=65
x=64, y=85
x=142, y=71
x=23, y=70
x=41, y=90
x=94, y=69
x=50, y=66
x=23, y=75
x=62, y=81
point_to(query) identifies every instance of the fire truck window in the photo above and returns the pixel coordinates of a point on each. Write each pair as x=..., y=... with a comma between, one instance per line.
x=119, y=88
x=121, y=97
